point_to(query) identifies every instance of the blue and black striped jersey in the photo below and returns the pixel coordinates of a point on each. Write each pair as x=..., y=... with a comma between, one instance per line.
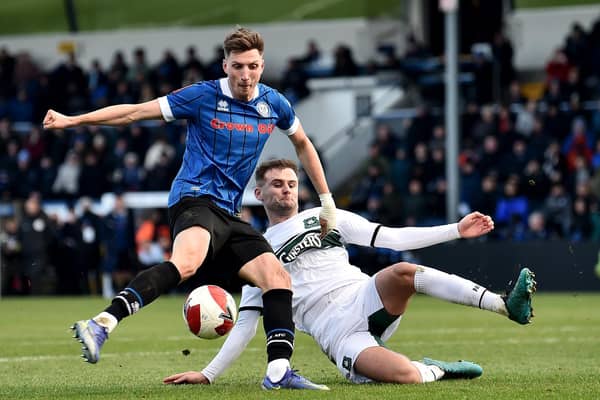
x=225, y=137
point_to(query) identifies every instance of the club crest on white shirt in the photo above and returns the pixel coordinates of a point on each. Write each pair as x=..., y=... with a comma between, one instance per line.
x=263, y=109
x=311, y=222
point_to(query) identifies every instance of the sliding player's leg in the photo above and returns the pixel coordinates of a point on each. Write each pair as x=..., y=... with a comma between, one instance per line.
x=398, y=282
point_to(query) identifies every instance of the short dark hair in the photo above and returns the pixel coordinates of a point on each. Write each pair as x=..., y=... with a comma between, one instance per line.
x=280, y=163
x=243, y=39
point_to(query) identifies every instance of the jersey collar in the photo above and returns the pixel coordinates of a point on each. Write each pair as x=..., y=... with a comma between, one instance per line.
x=223, y=82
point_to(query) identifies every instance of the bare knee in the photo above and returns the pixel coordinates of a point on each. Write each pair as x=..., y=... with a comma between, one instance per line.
x=403, y=274
x=187, y=260
x=189, y=250
x=276, y=277
x=266, y=272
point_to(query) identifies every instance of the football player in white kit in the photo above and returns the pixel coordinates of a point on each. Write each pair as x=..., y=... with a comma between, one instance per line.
x=347, y=312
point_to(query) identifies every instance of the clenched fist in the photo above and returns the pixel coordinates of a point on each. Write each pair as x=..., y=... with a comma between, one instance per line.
x=56, y=120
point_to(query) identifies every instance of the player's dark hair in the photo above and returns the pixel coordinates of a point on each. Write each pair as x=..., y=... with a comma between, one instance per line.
x=280, y=163
x=243, y=39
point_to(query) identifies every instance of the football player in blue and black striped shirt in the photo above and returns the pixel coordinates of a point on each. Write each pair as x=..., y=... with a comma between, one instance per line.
x=229, y=121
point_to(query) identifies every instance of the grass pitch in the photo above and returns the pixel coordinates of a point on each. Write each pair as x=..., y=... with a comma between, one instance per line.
x=555, y=357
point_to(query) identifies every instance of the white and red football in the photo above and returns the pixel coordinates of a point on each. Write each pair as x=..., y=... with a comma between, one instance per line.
x=209, y=312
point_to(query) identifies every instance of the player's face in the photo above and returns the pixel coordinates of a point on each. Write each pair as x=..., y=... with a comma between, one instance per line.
x=279, y=193
x=243, y=70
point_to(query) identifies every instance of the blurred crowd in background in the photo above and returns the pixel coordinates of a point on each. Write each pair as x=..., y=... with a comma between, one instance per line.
x=528, y=158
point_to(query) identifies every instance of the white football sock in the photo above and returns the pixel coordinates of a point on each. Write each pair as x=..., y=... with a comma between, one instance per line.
x=106, y=320
x=429, y=373
x=276, y=369
x=455, y=289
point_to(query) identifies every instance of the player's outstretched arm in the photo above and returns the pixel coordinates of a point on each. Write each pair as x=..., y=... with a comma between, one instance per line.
x=475, y=224
x=121, y=114
x=243, y=331
x=314, y=169
x=358, y=230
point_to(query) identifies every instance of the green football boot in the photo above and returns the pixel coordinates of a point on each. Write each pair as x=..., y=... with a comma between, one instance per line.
x=518, y=300
x=456, y=370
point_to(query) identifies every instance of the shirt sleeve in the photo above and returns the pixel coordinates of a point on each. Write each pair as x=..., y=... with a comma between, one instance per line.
x=288, y=122
x=251, y=298
x=242, y=333
x=181, y=103
x=410, y=238
x=355, y=229
x=358, y=230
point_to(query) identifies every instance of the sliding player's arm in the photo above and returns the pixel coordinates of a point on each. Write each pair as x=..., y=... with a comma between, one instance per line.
x=358, y=230
x=243, y=331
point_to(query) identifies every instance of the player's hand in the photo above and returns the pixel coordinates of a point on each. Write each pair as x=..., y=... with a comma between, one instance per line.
x=56, y=120
x=192, y=377
x=327, y=217
x=475, y=224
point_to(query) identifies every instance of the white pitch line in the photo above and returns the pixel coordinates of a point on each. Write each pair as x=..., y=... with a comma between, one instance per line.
x=307, y=8
x=401, y=343
x=109, y=355
x=408, y=331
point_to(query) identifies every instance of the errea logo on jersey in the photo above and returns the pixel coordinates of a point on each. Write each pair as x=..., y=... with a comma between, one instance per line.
x=223, y=105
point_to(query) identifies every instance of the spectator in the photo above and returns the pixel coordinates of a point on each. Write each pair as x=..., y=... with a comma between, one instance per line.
x=386, y=140
x=139, y=70
x=97, y=85
x=414, y=204
x=91, y=230
x=26, y=177
x=71, y=274
x=536, y=184
x=149, y=250
x=118, y=264
x=168, y=70
x=344, y=64
x=557, y=68
x=400, y=171
x=91, y=180
x=161, y=175
x=538, y=139
x=37, y=234
x=503, y=52
x=21, y=107
x=214, y=68
x=67, y=178
x=489, y=156
x=294, y=81
x=576, y=45
x=511, y=210
x=526, y=117
x=581, y=228
x=46, y=177
x=536, y=227
x=558, y=211
x=470, y=182
x=312, y=54
x=131, y=177
x=578, y=143
x=193, y=63
x=515, y=94
x=13, y=281
x=484, y=200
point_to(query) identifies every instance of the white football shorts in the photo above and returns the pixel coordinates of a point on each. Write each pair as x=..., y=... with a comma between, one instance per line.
x=348, y=321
